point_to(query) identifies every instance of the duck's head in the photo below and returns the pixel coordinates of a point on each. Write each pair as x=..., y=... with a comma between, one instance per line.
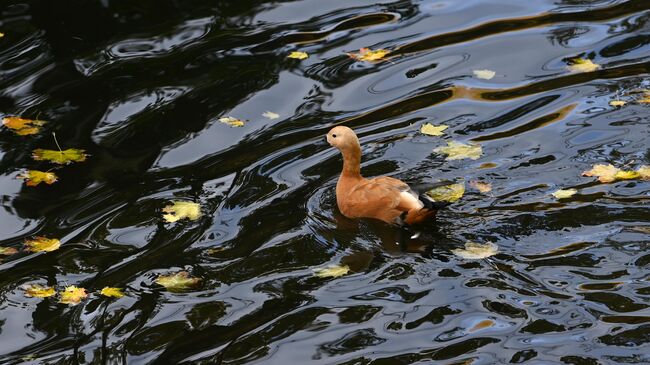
x=342, y=138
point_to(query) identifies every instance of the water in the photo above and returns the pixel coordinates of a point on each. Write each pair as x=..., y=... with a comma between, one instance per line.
x=141, y=87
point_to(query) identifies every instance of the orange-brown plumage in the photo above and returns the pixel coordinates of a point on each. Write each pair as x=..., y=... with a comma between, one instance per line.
x=385, y=198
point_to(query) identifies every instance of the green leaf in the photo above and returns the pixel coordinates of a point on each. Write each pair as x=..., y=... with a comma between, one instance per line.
x=64, y=157
x=447, y=193
x=457, y=150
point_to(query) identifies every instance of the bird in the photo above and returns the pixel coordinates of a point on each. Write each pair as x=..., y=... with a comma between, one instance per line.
x=384, y=198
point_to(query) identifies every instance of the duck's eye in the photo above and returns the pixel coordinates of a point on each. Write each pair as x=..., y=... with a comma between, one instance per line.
x=333, y=135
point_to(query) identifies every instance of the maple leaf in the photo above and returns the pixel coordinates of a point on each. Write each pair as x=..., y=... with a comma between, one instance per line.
x=271, y=115
x=368, y=55
x=38, y=291
x=6, y=251
x=447, y=193
x=233, y=122
x=41, y=243
x=617, y=103
x=72, y=295
x=484, y=74
x=644, y=172
x=564, y=193
x=182, y=209
x=608, y=173
x=332, y=271
x=34, y=177
x=457, y=150
x=177, y=282
x=112, y=292
x=483, y=187
x=64, y=157
x=475, y=251
x=582, y=65
x=298, y=55
x=433, y=130
x=21, y=126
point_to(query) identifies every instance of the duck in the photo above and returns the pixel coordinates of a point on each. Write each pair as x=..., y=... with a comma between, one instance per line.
x=384, y=198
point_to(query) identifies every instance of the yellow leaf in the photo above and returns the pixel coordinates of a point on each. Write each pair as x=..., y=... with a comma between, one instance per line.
x=332, y=271
x=23, y=127
x=564, y=193
x=617, y=103
x=644, y=172
x=484, y=74
x=2, y=34
x=447, y=193
x=112, y=292
x=72, y=295
x=40, y=243
x=6, y=251
x=178, y=281
x=582, y=65
x=483, y=187
x=298, y=55
x=34, y=177
x=233, y=122
x=645, y=99
x=433, y=130
x=475, y=251
x=271, y=115
x=605, y=173
x=627, y=175
x=457, y=150
x=368, y=55
x=486, y=323
x=64, y=157
x=38, y=291
x=182, y=209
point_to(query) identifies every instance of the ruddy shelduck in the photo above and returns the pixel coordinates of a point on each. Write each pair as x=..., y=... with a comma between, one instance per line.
x=385, y=198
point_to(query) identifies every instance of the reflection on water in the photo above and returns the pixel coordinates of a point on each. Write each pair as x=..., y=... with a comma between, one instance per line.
x=141, y=87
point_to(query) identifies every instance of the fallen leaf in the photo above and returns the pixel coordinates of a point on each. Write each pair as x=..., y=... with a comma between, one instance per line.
x=486, y=323
x=645, y=99
x=40, y=243
x=34, y=177
x=182, y=209
x=2, y=34
x=483, y=187
x=21, y=126
x=642, y=229
x=564, y=193
x=644, y=172
x=605, y=173
x=177, y=282
x=458, y=151
x=488, y=165
x=72, y=295
x=111, y=292
x=617, y=103
x=298, y=55
x=368, y=55
x=6, y=251
x=627, y=175
x=332, y=271
x=38, y=291
x=582, y=65
x=271, y=115
x=64, y=157
x=484, y=74
x=447, y=193
x=233, y=122
x=475, y=251
x=433, y=130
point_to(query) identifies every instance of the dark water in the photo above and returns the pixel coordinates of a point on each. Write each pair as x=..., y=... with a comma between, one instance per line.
x=141, y=85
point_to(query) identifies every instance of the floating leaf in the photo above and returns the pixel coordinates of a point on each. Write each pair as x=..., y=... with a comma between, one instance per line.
x=178, y=281
x=447, y=193
x=233, y=122
x=2, y=34
x=486, y=323
x=38, y=291
x=64, y=157
x=483, y=187
x=645, y=99
x=433, y=130
x=475, y=251
x=34, y=177
x=72, y=295
x=332, y=271
x=182, y=209
x=617, y=103
x=6, y=251
x=40, y=243
x=457, y=150
x=627, y=175
x=112, y=292
x=488, y=165
x=298, y=55
x=644, y=172
x=368, y=55
x=484, y=74
x=609, y=173
x=564, y=193
x=21, y=126
x=271, y=115
x=582, y=65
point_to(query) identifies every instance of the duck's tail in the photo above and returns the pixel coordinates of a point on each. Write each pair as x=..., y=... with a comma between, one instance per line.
x=431, y=204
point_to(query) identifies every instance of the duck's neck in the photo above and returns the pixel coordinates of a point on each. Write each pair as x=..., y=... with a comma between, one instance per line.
x=352, y=162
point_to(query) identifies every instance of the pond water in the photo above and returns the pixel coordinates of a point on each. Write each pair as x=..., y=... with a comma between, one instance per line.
x=141, y=86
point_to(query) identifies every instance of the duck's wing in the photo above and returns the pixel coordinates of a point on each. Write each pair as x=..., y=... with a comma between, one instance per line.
x=383, y=198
